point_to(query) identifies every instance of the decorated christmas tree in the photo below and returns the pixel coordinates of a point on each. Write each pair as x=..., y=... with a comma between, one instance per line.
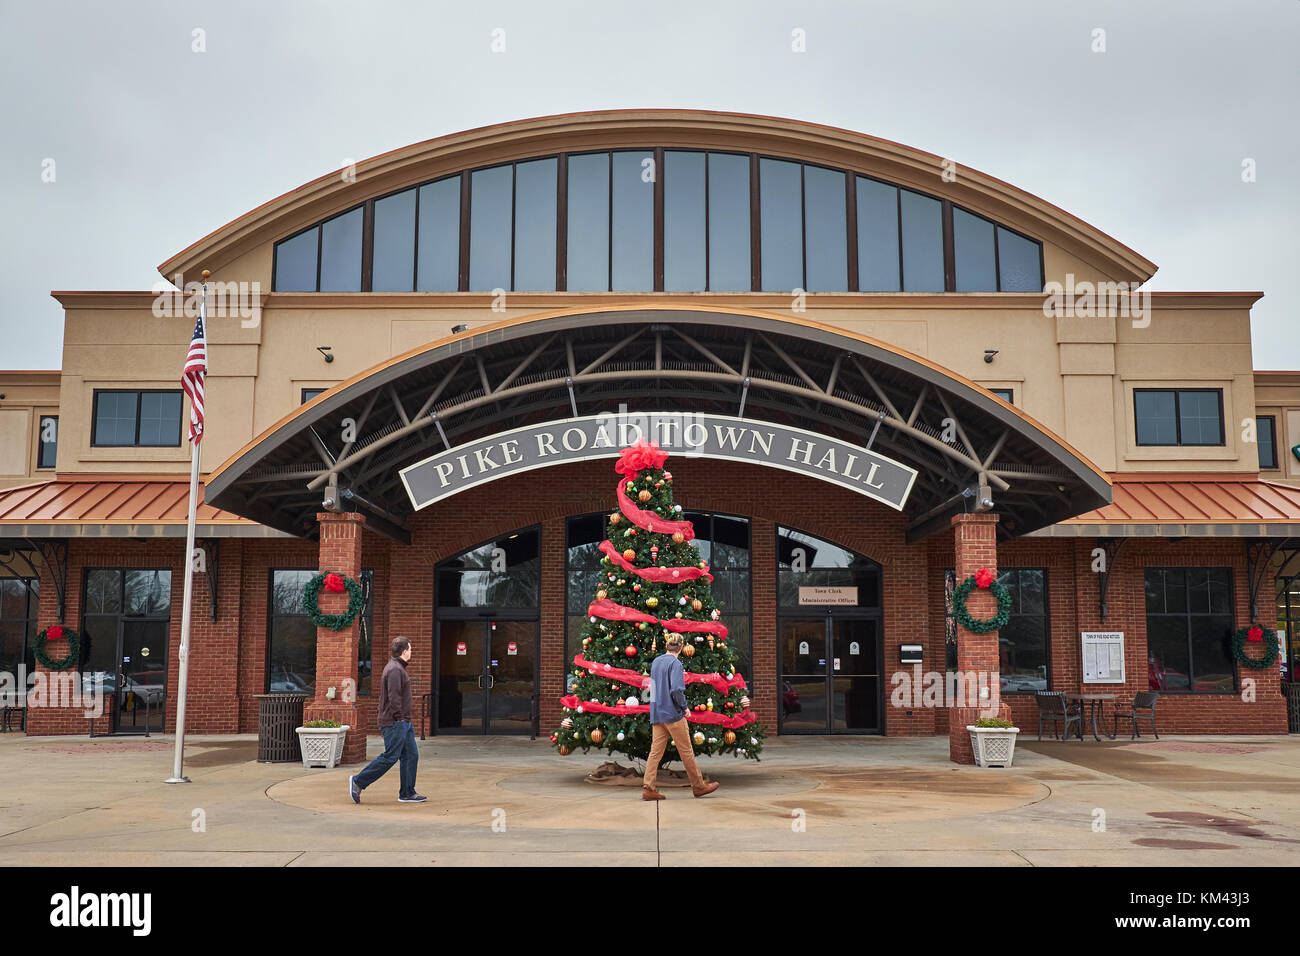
x=653, y=583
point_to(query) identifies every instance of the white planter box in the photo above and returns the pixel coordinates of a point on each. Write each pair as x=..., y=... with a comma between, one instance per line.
x=321, y=746
x=993, y=746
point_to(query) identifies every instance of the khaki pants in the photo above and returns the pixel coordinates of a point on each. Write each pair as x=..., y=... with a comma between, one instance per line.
x=681, y=735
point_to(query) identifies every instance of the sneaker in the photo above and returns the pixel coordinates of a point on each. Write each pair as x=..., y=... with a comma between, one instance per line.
x=705, y=788
x=413, y=798
x=354, y=790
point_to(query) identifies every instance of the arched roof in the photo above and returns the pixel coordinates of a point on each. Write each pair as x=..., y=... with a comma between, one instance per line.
x=809, y=142
x=551, y=366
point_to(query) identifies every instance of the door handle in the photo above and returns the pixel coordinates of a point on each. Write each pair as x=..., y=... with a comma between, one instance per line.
x=491, y=681
x=480, y=681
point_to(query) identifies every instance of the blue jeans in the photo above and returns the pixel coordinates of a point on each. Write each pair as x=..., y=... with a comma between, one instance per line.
x=399, y=744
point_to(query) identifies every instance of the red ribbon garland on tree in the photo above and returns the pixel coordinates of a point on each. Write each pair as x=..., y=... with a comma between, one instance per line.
x=648, y=520
x=715, y=680
x=694, y=716
x=617, y=612
x=654, y=575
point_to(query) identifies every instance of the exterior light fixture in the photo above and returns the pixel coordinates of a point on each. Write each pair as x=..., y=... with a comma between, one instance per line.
x=325, y=351
x=988, y=356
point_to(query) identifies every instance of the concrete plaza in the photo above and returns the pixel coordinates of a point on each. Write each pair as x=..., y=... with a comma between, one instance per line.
x=1198, y=801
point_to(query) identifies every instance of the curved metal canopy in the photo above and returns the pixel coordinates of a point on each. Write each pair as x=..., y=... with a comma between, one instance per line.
x=968, y=445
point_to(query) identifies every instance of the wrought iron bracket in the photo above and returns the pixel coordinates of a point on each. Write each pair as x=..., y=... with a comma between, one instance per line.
x=1259, y=557
x=1111, y=547
x=54, y=554
x=211, y=566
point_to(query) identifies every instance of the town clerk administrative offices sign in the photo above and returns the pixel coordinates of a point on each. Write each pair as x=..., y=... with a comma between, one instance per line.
x=681, y=434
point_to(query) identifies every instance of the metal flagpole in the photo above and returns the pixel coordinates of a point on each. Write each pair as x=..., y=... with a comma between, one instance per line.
x=177, y=774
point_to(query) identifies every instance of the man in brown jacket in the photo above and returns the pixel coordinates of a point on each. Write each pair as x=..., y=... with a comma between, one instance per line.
x=395, y=725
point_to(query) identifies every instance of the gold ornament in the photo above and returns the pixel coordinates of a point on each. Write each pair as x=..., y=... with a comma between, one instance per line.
x=615, y=518
x=629, y=554
x=729, y=737
x=652, y=601
x=710, y=642
x=601, y=595
x=564, y=751
x=698, y=738
x=689, y=650
x=697, y=604
x=678, y=537
x=597, y=736
x=643, y=495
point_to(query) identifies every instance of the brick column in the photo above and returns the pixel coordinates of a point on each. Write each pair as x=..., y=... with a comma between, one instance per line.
x=336, y=651
x=975, y=544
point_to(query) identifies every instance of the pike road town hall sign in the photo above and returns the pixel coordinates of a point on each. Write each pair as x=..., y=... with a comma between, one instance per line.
x=873, y=381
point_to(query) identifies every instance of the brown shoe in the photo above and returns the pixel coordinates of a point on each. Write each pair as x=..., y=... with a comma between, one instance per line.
x=648, y=794
x=704, y=789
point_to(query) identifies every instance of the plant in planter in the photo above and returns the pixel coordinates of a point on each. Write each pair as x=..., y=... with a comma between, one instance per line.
x=321, y=742
x=993, y=740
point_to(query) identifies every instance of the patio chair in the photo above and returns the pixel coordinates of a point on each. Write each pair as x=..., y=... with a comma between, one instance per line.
x=1053, y=706
x=1143, y=701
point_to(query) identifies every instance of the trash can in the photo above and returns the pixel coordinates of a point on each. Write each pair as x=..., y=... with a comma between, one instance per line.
x=278, y=718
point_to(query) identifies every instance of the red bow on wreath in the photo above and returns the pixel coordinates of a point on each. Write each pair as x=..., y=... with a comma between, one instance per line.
x=1256, y=633
x=54, y=633
x=334, y=583
x=984, y=578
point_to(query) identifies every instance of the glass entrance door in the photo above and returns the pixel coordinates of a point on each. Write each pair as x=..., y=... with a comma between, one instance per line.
x=830, y=675
x=140, y=696
x=487, y=677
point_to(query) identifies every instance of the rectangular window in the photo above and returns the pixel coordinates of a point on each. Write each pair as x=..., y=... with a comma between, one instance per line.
x=291, y=636
x=534, y=265
x=877, y=236
x=1020, y=263
x=438, y=238
x=309, y=393
x=340, y=252
x=1189, y=614
x=490, y=228
x=1181, y=416
x=588, y=230
x=972, y=243
x=1266, y=436
x=632, y=235
x=826, y=238
x=1024, y=644
x=684, y=221
x=127, y=419
x=1007, y=395
x=19, y=603
x=729, y=239
x=922, y=232
x=49, y=442
x=295, y=262
x=393, y=268
x=781, y=225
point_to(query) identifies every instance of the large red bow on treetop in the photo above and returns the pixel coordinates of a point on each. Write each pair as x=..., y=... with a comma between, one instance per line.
x=984, y=578
x=638, y=457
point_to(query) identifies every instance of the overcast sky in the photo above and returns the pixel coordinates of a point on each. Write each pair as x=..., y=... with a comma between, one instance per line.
x=155, y=145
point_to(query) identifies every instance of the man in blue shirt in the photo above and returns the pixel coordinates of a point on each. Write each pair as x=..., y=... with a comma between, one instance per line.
x=668, y=719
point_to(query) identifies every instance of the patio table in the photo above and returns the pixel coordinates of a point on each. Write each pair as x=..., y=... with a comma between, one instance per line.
x=1094, y=702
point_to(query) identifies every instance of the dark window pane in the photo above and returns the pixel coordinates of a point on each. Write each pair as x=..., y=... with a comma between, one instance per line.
x=103, y=591
x=393, y=268
x=13, y=646
x=922, y=225
x=1019, y=263
x=535, y=225
x=489, y=229
x=148, y=592
x=1198, y=592
x=1211, y=662
x=439, y=237
x=877, y=236
x=115, y=418
x=740, y=641
x=684, y=266
x=1265, y=433
x=825, y=230
x=972, y=239
x=1155, y=590
x=295, y=262
x=1219, y=581
x=504, y=573
x=99, y=644
x=1198, y=416
x=1156, y=424
x=729, y=240
x=1167, y=664
x=13, y=599
x=781, y=225
x=291, y=656
x=633, y=232
x=1033, y=591
x=49, y=439
x=286, y=591
x=588, y=232
x=340, y=252
x=1022, y=654
x=160, y=418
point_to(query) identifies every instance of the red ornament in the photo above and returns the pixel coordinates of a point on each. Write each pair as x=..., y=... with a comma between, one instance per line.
x=984, y=578
x=55, y=633
x=1256, y=633
x=334, y=583
x=631, y=650
x=554, y=738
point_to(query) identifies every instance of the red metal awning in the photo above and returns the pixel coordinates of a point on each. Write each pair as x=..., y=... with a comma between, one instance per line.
x=115, y=508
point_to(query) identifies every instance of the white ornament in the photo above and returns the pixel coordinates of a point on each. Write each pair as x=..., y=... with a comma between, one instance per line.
x=677, y=507
x=698, y=738
x=681, y=600
x=631, y=702
x=715, y=614
x=677, y=574
x=593, y=619
x=611, y=577
x=620, y=735
x=713, y=740
x=753, y=741
x=699, y=639
x=579, y=708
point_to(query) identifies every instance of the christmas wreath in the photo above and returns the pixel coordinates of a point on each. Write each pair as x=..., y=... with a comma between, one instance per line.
x=984, y=579
x=334, y=584
x=1255, y=634
x=57, y=632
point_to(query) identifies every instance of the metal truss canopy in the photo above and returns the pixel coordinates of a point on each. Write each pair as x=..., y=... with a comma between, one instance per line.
x=973, y=452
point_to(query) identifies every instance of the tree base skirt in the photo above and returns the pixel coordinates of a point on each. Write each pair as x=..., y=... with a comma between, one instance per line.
x=612, y=774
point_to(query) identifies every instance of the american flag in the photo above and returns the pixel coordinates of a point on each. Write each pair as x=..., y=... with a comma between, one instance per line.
x=196, y=369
